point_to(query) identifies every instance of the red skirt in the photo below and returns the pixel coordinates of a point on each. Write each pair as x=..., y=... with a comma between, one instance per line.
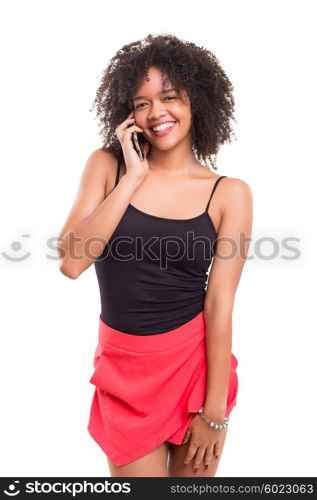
x=149, y=388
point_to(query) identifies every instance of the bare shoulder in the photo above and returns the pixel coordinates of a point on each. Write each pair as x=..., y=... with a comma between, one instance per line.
x=102, y=164
x=102, y=159
x=237, y=193
x=235, y=186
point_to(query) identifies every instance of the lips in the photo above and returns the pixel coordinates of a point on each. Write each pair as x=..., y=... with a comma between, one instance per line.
x=163, y=123
x=163, y=132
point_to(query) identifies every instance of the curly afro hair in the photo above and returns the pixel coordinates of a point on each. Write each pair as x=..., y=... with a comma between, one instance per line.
x=188, y=67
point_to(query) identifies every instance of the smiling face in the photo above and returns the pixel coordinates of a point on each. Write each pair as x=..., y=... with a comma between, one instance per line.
x=154, y=104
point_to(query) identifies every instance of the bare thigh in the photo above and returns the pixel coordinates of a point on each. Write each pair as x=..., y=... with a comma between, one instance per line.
x=178, y=454
x=153, y=464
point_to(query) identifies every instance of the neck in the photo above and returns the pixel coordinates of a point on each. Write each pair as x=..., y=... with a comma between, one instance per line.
x=174, y=162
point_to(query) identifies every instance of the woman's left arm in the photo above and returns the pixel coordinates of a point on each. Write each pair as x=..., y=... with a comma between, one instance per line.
x=233, y=241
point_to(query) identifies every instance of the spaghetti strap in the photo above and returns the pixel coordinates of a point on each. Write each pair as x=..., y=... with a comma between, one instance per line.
x=118, y=173
x=214, y=188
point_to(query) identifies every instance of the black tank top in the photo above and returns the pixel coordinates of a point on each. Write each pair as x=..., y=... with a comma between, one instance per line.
x=153, y=272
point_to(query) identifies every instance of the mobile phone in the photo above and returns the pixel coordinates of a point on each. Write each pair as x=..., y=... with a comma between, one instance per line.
x=137, y=145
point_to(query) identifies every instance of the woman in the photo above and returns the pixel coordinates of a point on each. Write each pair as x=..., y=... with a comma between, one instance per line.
x=165, y=377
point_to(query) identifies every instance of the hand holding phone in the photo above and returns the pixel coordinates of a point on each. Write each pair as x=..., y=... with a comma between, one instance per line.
x=135, y=150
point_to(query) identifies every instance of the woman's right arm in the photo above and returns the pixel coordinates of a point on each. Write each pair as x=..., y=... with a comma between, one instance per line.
x=93, y=218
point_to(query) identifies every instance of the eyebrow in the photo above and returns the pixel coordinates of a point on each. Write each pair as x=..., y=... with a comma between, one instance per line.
x=162, y=92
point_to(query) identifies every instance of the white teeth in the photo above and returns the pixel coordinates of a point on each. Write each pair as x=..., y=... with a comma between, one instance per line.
x=163, y=127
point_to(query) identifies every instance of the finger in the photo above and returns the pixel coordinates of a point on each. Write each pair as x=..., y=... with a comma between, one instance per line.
x=199, y=458
x=190, y=453
x=208, y=455
x=123, y=125
x=217, y=450
x=130, y=115
x=132, y=128
x=129, y=131
x=129, y=119
x=122, y=132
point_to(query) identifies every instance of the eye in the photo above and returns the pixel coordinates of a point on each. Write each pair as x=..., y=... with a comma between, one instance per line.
x=144, y=103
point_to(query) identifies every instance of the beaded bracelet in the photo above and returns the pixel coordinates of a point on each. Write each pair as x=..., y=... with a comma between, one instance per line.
x=212, y=424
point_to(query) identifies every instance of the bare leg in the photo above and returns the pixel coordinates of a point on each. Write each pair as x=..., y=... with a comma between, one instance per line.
x=177, y=457
x=153, y=464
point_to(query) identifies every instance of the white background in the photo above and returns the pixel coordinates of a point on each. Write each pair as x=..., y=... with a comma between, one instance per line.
x=53, y=53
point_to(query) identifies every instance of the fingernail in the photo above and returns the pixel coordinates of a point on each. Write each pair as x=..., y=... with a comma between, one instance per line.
x=185, y=465
x=195, y=470
x=206, y=466
x=217, y=456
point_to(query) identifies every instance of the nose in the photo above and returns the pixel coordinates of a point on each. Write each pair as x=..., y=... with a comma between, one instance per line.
x=157, y=111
